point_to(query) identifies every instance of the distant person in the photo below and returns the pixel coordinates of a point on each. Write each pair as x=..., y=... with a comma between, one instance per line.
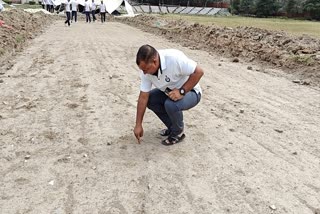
x=1, y=7
x=68, y=12
x=51, y=8
x=74, y=8
x=43, y=4
x=87, y=11
x=47, y=3
x=175, y=80
x=93, y=10
x=103, y=11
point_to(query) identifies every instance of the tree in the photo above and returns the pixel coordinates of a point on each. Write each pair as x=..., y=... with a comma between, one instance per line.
x=266, y=8
x=247, y=7
x=291, y=7
x=235, y=6
x=313, y=7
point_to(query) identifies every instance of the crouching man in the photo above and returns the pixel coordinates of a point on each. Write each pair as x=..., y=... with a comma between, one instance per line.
x=175, y=79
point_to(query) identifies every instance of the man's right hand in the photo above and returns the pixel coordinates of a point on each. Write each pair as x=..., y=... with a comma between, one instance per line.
x=141, y=108
x=138, y=132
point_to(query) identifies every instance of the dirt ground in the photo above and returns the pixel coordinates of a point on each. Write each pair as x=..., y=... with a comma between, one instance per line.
x=67, y=111
x=18, y=28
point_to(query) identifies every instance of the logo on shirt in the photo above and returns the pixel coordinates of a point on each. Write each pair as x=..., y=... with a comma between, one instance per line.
x=167, y=79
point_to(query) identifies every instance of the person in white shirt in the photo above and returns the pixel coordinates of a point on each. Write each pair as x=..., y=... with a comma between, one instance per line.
x=103, y=12
x=74, y=8
x=175, y=79
x=1, y=6
x=87, y=11
x=93, y=10
x=51, y=8
x=68, y=12
x=43, y=3
x=47, y=5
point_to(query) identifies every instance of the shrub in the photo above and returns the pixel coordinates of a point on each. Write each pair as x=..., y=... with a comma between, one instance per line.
x=32, y=2
x=8, y=1
x=305, y=60
x=313, y=7
x=19, y=39
x=2, y=51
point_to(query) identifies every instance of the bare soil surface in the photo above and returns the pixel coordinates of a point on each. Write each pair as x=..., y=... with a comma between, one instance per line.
x=18, y=28
x=67, y=111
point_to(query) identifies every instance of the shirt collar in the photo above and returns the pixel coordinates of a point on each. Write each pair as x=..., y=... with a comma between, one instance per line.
x=162, y=63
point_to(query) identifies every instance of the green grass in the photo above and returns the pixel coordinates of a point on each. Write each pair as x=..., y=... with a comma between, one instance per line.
x=27, y=6
x=306, y=60
x=291, y=26
x=19, y=39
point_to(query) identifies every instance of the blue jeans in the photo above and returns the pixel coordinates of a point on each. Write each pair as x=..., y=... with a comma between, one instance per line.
x=93, y=15
x=88, y=18
x=74, y=14
x=68, y=18
x=169, y=111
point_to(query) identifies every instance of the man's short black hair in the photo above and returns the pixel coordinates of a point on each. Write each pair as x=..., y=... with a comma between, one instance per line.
x=146, y=53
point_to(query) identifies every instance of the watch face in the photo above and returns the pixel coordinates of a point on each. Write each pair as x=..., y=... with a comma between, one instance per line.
x=182, y=92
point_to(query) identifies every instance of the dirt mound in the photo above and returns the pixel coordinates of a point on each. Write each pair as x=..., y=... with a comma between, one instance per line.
x=17, y=27
x=298, y=55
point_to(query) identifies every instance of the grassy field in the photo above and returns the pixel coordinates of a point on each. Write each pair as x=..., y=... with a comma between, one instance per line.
x=24, y=6
x=291, y=26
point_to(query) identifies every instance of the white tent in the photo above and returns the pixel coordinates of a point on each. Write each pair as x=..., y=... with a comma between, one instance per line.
x=129, y=8
x=112, y=5
x=56, y=2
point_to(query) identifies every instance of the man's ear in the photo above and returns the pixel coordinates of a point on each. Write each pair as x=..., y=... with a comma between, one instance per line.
x=155, y=60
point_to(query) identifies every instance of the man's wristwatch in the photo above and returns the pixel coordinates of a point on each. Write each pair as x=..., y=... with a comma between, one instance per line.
x=182, y=91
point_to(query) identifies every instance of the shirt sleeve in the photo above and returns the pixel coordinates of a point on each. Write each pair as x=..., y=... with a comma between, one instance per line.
x=187, y=66
x=146, y=84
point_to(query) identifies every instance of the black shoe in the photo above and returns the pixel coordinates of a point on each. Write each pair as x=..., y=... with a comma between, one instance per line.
x=165, y=132
x=173, y=139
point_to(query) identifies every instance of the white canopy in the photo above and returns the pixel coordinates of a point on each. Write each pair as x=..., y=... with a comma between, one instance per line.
x=56, y=2
x=112, y=5
x=129, y=8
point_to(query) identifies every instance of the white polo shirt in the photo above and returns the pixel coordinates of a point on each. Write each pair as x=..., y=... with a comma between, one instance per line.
x=87, y=7
x=74, y=5
x=93, y=6
x=102, y=8
x=175, y=70
x=68, y=6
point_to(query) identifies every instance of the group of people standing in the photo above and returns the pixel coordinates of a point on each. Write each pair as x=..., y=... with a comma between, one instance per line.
x=71, y=9
x=47, y=5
